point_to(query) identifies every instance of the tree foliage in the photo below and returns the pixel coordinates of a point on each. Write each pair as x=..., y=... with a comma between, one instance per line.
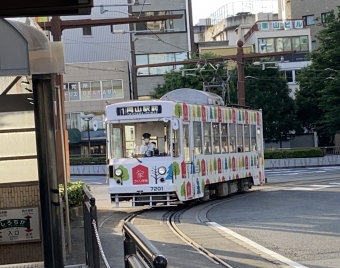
x=267, y=90
x=192, y=79
x=319, y=95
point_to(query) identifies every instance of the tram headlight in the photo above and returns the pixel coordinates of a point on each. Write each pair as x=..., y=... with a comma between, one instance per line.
x=118, y=172
x=162, y=170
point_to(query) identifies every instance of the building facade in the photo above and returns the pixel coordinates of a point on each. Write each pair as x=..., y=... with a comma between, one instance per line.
x=309, y=12
x=88, y=88
x=265, y=33
x=167, y=41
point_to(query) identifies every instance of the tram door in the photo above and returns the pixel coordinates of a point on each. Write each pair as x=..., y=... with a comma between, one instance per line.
x=189, y=162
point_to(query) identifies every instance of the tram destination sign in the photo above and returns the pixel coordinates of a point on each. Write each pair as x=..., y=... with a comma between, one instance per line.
x=19, y=225
x=138, y=110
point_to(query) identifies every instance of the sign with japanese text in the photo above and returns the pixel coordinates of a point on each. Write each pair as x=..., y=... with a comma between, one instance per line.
x=19, y=225
x=137, y=110
x=140, y=175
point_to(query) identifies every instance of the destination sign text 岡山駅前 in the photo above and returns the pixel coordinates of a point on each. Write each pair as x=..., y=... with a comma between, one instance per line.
x=136, y=110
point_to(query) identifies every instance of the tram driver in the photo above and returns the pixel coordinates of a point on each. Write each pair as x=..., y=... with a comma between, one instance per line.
x=148, y=147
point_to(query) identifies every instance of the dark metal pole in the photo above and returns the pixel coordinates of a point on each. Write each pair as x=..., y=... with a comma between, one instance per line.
x=240, y=72
x=129, y=249
x=88, y=133
x=133, y=70
x=43, y=90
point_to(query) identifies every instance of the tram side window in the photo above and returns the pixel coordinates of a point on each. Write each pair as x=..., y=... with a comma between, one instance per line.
x=216, y=138
x=175, y=143
x=240, y=138
x=186, y=143
x=253, y=138
x=207, y=137
x=224, y=136
x=116, y=142
x=197, y=137
x=232, y=135
x=246, y=138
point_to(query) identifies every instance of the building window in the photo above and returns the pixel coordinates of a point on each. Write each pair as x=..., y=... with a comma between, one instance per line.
x=94, y=90
x=288, y=75
x=283, y=44
x=159, y=58
x=279, y=44
x=174, y=25
x=309, y=20
x=300, y=43
x=87, y=31
x=313, y=45
x=324, y=17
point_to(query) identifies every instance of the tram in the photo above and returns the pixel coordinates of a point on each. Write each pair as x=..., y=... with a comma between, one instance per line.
x=184, y=147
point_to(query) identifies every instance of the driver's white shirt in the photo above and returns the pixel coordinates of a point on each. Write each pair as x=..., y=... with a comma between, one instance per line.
x=147, y=149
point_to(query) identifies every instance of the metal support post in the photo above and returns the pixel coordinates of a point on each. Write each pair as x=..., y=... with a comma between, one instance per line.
x=89, y=138
x=43, y=90
x=240, y=71
x=129, y=249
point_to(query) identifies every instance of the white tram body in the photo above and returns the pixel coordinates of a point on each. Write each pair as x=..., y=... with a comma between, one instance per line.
x=203, y=149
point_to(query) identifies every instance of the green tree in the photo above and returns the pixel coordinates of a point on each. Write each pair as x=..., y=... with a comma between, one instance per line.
x=125, y=175
x=183, y=192
x=178, y=110
x=174, y=80
x=267, y=90
x=203, y=185
x=176, y=170
x=318, y=99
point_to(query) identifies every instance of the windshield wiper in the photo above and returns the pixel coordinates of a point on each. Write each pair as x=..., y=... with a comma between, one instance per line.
x=135, y=156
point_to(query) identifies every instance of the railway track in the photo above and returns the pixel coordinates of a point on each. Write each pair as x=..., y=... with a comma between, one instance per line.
x=171, y=218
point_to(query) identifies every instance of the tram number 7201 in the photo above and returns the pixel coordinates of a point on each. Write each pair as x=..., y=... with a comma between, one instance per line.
x=156, y=189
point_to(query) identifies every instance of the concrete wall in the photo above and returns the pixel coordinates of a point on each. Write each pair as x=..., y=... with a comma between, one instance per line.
x=329, y=160
x=16, y=195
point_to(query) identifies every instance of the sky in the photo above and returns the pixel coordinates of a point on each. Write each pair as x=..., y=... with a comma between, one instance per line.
x=202, y=8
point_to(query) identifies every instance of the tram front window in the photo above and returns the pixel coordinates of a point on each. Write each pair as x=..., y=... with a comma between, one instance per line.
x=144, y=139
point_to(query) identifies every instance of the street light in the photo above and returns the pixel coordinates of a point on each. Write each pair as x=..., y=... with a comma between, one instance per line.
x=88, y=118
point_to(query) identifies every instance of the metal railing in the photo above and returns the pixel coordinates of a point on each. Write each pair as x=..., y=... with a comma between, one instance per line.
x=139, y=252
x=90, y=226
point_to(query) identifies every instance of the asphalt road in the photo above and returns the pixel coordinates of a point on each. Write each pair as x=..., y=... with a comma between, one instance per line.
x=295, y=217
x=299, y=221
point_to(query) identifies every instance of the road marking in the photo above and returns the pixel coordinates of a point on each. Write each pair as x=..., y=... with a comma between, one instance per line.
x=313, y=187
x=257, y=246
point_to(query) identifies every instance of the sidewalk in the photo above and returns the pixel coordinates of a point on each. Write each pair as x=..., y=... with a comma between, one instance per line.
x=110, y=222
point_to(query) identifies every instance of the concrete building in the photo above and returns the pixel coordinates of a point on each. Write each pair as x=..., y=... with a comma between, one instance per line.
x=97, y=72
x=173, y=44
x=309, y=12
x=268, y=35
x=200, y=28
x=88, y=88
x=233, y=7
x=265, y=33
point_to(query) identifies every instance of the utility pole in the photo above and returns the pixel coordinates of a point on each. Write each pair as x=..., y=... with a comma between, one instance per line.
x=56, y=26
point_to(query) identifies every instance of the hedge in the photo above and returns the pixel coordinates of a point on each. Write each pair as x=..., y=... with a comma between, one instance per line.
x=75, y=193
x=98, y=160
x=293, y=153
